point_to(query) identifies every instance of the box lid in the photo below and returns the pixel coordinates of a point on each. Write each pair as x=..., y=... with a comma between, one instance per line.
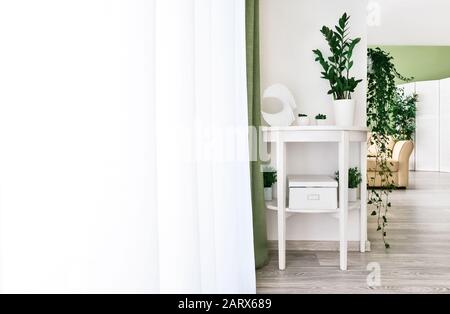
x=312, y=182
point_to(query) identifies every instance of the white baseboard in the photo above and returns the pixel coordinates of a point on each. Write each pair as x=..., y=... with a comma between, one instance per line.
x=353, y=246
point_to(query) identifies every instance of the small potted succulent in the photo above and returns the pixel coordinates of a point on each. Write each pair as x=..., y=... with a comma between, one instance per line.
x=321, y=119
x=270, y=178
x=303, y=120
x=354, y=180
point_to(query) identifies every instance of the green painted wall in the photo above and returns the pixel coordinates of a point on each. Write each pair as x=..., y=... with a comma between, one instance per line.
x=424, y=63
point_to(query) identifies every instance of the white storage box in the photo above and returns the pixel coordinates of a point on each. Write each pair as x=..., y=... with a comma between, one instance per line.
x=313, y=192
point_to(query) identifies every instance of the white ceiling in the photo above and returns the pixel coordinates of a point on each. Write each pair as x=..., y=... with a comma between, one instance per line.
x=409, y=22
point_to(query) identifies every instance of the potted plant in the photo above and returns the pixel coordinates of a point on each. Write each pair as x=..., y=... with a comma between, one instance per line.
x=321, y=119
x=270, y=178
x=354, y=180
x=336, y=69
x=303, y=120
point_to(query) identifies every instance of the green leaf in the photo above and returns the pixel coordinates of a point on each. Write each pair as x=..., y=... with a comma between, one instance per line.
x=340, y=30
x=338, y=64
x=343, y=21
x=350, y=65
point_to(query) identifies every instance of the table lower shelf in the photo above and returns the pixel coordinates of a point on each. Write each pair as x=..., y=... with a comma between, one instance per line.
x=273, y=206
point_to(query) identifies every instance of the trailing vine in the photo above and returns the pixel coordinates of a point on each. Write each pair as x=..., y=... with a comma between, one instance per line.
x=382, y=96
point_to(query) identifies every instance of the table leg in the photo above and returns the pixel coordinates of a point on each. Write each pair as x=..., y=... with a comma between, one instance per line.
x=281, y=196
x=363, y=214
x=343, y=198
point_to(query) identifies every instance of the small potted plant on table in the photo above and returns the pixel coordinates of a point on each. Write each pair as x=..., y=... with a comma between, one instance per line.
x=354, y=180
x=270, y=178
x=303, y=120
x=321, y=119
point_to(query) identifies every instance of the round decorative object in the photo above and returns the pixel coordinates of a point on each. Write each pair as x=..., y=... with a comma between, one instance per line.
x=278, y=115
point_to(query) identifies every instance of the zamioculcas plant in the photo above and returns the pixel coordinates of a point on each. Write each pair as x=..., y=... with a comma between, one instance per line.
x=337, y=67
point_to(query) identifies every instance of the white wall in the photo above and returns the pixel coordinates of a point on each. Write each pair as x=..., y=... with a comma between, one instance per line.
x=290, y=30
x=432, y=138
x=432, y=141
x=75, y=147
x=444, y=122
x=410, y=22
x=427, y=126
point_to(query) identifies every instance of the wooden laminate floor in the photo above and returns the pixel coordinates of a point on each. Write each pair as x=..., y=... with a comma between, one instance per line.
x=418, y=261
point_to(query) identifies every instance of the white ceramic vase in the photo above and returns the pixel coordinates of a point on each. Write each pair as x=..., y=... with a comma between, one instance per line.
x=344, y=112
x=352, y=195
x=321, y=122
x=303, y=121
x=268, y=195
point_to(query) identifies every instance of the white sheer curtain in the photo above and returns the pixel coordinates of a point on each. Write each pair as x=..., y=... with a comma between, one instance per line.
x=203, y=168
x=123, y=147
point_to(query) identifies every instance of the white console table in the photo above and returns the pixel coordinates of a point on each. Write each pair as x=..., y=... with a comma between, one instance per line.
x=320, y=134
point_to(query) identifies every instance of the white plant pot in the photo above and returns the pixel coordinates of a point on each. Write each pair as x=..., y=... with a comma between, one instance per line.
x=352, y=195
x=303, y=121
x=268, y=195
x=321, y=122
x=344, y=112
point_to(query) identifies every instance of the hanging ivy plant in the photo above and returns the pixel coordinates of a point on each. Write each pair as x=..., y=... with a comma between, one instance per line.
x=381, y=98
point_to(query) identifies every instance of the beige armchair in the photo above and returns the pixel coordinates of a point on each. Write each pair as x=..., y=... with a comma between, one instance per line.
x=398, y=164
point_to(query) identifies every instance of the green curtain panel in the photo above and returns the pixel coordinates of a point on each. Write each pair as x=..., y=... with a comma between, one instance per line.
x=254, y=114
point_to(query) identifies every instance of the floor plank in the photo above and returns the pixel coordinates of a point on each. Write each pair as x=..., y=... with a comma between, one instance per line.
x=418, y=261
